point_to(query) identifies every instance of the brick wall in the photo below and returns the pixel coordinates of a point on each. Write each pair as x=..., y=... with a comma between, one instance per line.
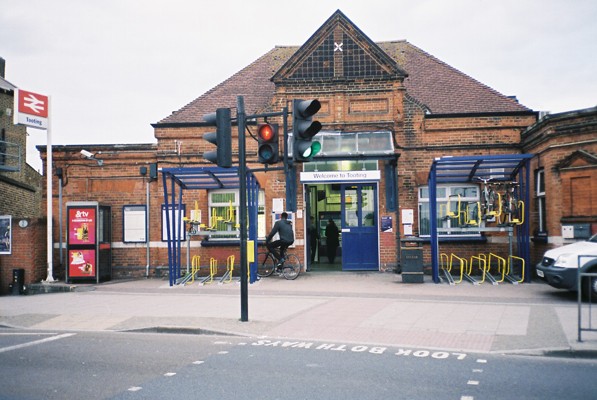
x=20, y=197
x=564, y=146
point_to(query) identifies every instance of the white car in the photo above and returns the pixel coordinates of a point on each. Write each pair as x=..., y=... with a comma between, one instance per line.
x=559, y=266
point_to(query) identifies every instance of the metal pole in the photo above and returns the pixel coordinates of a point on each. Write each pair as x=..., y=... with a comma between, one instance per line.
x=60, y=218
x=147, y=227
x=242, y=172
x=49, y=242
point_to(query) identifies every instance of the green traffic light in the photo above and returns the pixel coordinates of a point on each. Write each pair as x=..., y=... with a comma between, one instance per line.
x=315, y=148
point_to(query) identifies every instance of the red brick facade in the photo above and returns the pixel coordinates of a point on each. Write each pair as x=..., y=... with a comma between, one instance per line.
x=428, y=117
x=20, y=197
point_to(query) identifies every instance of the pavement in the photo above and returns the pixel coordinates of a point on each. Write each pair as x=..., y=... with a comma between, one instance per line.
x=366, y=308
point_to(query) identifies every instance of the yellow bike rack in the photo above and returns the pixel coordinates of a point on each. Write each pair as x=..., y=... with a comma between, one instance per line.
x=446, y=267
x=451, y=214
x=467, y=216
x=227, y=277
x=463, y=265
x=482, y=264
x=214, y=220
x=510, y=277
x=519, y=221
x=195, y=266
x=213, y=270
x=501, y=263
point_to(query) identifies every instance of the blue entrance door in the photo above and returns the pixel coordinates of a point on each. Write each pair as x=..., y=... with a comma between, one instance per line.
x=359, y=227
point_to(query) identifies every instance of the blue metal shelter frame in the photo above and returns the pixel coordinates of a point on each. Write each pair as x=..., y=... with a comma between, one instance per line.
x=508, y=167
x=203, y=178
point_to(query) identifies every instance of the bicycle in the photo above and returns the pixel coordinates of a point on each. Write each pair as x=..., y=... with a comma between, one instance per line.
x=513, y=207
x=491, y=202
x=290, y=268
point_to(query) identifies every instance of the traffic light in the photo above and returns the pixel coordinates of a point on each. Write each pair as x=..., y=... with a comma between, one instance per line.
x=304, y=128
x=267, y=140
x=222, y=138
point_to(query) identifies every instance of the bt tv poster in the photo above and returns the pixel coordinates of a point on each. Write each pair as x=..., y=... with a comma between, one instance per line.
x=81, y=225
x=81, y=263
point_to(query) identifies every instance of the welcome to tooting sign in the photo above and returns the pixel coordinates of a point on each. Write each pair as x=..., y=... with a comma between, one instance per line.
x=31, y=109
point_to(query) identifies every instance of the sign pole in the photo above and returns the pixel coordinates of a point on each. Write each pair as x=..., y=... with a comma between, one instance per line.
x=50, y=244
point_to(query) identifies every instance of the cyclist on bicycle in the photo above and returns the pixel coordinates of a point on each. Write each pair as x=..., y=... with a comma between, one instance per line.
x=283, y=228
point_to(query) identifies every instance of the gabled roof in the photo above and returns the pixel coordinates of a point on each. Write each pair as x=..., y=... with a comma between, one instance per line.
x=579, y=158
x=441, y=88
x=338, y=50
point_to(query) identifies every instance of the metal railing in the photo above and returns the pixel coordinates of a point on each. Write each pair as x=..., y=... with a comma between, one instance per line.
x=579, y=287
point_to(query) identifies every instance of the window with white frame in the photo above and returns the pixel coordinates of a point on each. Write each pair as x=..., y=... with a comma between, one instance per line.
x=224, y=214
x=541, y=206
x=457, y=207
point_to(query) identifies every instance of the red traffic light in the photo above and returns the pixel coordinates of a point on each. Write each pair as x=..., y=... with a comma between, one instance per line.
x=265, y=132
x=267, y=138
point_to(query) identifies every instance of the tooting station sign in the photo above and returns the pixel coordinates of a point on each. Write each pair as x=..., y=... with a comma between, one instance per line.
x=31, y=109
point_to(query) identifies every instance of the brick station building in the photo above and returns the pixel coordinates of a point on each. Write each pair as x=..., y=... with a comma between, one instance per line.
x=388, y=110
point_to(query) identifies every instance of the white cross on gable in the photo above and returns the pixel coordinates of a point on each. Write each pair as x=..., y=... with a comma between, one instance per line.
x=338, y=47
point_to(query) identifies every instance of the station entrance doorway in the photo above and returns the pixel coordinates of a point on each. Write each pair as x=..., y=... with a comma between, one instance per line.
x=351, y=209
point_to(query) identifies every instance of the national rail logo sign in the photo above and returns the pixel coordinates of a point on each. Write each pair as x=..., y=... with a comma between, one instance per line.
x=31, y=109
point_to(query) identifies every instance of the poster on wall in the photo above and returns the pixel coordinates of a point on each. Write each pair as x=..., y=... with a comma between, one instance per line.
x=5, y=234
x=134, y=224
x=81, y=263
x=82, y=222
x=174, y=217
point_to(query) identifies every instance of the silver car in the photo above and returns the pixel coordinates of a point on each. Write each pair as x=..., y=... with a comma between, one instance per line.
x=559, y=266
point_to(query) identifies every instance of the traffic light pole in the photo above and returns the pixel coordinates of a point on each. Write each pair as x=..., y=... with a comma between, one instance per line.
x=242, y=171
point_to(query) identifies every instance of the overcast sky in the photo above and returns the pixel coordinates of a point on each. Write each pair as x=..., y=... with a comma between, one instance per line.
x=113, y=67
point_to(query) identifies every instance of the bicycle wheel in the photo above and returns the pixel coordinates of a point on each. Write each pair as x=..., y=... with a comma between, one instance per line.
x=292, y=267
x=265, y=264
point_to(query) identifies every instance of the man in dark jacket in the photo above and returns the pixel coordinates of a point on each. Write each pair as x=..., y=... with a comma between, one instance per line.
x=283, y=228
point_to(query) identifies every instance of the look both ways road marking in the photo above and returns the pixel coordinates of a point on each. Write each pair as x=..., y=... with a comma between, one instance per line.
x=35, y=342
x=473, y=381
x=359, y=349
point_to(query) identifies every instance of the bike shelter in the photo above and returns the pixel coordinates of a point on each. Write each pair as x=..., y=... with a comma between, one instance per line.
x=472, y=169
x=176, y=180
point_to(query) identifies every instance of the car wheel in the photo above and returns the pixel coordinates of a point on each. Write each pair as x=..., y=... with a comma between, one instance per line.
x=590, y=288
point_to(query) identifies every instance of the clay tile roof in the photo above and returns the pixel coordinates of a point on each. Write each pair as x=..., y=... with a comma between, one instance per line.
x=252, y=82
x=441, y=88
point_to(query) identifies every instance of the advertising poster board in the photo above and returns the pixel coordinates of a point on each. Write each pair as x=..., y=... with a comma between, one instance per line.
x=82, y=263
x=82, y=225
x=5, y=234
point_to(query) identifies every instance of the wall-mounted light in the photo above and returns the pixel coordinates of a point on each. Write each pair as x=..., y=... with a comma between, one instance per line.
x=90, y=156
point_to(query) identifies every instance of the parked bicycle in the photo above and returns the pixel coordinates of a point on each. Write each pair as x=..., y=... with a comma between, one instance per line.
x=290, y=268
x=491, y=202
x=513, y=207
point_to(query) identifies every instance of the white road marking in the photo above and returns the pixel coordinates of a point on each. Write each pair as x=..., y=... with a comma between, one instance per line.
x=170, y=374
x=26, y=333
x=134, y=389
x=36, y=342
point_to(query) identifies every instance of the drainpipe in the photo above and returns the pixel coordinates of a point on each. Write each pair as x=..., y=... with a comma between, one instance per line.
x=60, y=243
x=398, y=237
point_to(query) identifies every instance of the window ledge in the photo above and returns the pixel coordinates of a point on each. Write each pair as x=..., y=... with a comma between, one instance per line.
x=225, y=242
x=459, y=239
